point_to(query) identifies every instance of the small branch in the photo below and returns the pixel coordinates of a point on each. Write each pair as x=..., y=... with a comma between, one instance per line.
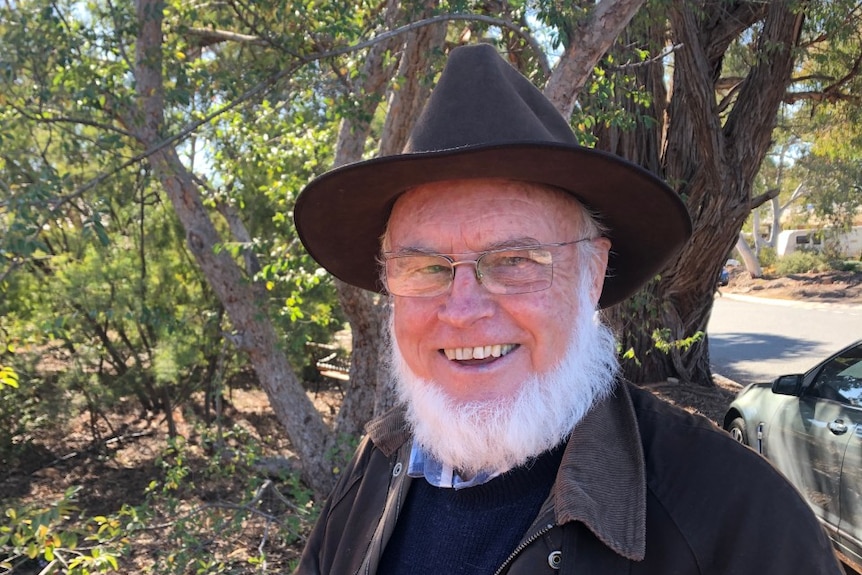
x=811, y=96
x=758, y=201
x=799, y=192
x=92, y=447
x=657, y=58
x=39, y=118
x=207, y=37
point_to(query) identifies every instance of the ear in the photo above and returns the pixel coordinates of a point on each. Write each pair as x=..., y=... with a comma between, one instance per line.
x=598, y=267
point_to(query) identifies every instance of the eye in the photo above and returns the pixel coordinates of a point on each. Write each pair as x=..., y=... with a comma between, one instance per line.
x=518, y=259
x=432, y=269
x=419, y=266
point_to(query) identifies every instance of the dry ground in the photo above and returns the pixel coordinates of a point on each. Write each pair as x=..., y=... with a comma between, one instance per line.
x=826, y=287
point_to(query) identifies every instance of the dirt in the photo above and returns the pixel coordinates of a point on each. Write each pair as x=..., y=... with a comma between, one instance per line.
x=823, y=287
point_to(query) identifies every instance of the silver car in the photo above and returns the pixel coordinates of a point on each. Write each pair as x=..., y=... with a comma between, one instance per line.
x=810, y=427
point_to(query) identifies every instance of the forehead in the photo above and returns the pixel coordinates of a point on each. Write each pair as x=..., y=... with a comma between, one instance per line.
x=475, y=214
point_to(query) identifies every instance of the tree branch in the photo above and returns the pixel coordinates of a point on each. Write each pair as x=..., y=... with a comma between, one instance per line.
x=758, y=201
x=41, y=119
x=207, y=37
x=268, y=83
x=596, y=35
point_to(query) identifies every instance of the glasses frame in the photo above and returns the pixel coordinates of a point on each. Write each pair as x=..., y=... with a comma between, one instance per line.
x=454, y=263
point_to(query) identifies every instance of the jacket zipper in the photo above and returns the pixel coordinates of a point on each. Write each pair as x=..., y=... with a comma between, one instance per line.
x=524, y=544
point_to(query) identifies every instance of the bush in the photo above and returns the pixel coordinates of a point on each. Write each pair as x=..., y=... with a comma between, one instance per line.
x=767, y=256
x=801, y=262
x=849, y=266
x=55, y=538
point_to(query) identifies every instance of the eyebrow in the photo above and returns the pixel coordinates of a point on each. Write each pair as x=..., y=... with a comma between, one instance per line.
x=522, y=242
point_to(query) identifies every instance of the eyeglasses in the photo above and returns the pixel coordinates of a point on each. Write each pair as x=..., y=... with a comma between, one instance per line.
x=503, y=271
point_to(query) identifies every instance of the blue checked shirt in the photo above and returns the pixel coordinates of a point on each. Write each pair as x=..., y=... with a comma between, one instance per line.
x=422, y=464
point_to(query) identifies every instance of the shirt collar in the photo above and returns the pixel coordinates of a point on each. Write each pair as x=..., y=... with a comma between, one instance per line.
x=423, y=464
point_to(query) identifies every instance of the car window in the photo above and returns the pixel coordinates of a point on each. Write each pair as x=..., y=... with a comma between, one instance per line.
x=840, y=379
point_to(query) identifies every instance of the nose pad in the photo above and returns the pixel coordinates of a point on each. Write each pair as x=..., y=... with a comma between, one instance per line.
x=477, y=276
x=476, y=273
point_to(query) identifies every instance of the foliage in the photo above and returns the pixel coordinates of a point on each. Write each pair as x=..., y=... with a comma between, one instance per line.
x=57, y=539
x=210, y=509
x=93, y=262
x=849, y=266
x=767, y=256
x=801, y=261
x=665, y=342
x=609, y=97
x=8, y=376
x=218, y=535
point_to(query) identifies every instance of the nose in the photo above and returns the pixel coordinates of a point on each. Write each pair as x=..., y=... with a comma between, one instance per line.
x=467, y=301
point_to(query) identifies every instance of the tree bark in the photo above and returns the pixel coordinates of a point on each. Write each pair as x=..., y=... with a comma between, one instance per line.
x=712, y=165
x=361, y=307
x=752, y=264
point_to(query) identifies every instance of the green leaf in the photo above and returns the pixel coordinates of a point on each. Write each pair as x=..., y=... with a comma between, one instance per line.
x=10, y=378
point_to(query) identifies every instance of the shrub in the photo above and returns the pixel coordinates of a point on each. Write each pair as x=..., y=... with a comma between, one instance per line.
x=767, y=256
x=55, y=539
x=849, y=266
x=801, y=262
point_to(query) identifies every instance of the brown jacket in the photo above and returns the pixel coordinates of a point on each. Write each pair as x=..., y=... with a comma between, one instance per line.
x=644, y=488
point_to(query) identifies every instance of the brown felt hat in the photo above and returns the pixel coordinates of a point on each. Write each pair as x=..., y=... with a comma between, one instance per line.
x=485, y=120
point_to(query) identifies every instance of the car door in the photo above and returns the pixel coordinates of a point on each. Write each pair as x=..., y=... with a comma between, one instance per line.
x=847, y=377
x=809, y=438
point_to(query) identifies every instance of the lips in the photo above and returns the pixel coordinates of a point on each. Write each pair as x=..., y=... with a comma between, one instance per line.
x=479, y=352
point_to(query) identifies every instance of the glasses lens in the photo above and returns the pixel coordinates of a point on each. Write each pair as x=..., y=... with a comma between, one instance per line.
x=516, y=271
x=418, y=275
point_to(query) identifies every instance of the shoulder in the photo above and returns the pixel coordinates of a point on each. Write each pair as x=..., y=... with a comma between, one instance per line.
x=722, y=498
x=681, y=446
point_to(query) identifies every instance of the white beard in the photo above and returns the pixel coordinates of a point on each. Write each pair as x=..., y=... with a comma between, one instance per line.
x=496, y=435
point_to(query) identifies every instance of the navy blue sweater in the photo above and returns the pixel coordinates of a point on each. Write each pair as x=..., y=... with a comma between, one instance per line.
x=472, y=530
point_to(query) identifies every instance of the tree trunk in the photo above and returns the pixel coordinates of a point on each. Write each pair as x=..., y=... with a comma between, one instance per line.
x=361, y=307
x=712, y=165
x=254, y=333
x=370, y=392
x=752, y=265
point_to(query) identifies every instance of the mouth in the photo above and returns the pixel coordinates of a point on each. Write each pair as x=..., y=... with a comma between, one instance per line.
x=479, y=352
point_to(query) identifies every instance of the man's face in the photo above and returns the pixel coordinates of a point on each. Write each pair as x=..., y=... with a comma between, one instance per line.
x=532, y=330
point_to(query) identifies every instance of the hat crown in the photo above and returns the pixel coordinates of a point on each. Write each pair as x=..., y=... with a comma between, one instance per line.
x=481, y=100
x=485, y=120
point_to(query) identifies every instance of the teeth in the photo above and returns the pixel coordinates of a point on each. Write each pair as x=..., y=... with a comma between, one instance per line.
x=478, y=352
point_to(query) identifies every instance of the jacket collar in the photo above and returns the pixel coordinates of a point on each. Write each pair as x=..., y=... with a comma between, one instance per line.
x=602, y=478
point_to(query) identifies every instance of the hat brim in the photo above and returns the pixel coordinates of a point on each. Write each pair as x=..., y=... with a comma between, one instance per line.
x=341, y=215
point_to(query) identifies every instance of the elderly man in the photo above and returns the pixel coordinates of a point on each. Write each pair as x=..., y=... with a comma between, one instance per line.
x=516, y=449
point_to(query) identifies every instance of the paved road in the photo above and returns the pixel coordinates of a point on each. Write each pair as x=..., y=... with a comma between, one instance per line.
x=752, y=339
